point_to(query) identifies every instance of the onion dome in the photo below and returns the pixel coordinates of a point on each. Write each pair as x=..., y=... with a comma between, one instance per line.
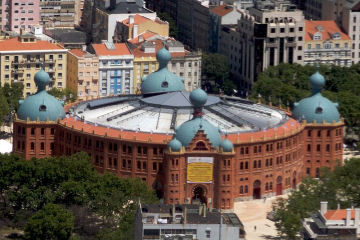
x=41, y=105
x=316, y=107
x=226, y=145
x=175, y=145
x=187, y=131
x=162, y=80
x=198, y=97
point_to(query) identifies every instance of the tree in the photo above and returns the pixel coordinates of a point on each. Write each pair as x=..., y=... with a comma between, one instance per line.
x=173, y=29
x=97, y=201
x=4, y=110
x=51, y=222
x=66, y=94
x=13, y=94
x=338, y=187
x=290, y=83
x=215, y=73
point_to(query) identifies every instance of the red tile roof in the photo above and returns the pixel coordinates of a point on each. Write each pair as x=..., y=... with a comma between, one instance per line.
x=138, y=19
x=329, y=27
x=145, y=35
x=77, y=52
x=158, y=45
x=120, y=49
x=339, y=214
x=14, y=44
x=222, y=10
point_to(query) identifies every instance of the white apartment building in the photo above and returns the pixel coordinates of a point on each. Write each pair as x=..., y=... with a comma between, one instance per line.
x=116, y=65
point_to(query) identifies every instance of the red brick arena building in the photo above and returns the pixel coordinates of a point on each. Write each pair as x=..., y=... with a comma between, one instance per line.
x=188, y=147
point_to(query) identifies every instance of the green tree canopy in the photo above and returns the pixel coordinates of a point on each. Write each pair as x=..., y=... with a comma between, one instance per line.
x=338, y=187
x=71, y=181
x=67, y=94
x=215, y=73
x=50, y=223
x=290, y=82
x=173, y=29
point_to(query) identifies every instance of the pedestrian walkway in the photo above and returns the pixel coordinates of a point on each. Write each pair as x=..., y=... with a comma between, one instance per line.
x=253, y=215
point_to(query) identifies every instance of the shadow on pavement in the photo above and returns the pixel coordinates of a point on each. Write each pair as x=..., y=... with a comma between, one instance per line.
x=270, y=237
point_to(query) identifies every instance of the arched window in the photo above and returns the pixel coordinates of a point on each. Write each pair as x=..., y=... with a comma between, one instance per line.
x=200, y=146
x=246, y=189
x=266, y=186
x=255, y=164
x=241, y=189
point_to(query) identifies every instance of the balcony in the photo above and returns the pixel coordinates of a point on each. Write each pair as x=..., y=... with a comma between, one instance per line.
x=50, y=60
x=51, y=70
x=17, y=70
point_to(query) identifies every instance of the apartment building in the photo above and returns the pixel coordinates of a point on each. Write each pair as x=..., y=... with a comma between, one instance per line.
x=58, y=13
x=219, y=16
x=19, y=14
x=186, y=221
x=116, y=64
x=183, y=63
x=23, y=56
x=83, y=74
x=325, y=43
x=351, y=26
x=272, y=32
x=193, y=21
x=135, y=25
x=106, y=19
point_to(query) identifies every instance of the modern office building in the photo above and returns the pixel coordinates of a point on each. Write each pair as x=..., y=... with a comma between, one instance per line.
x=186, y=221
x=135, y=25
x=325, y=43
x=270, y=33
x=183, y=63
x=332, y=224
x=23, y=56
x=189, y=147
x=83, y=74
x=58, y=13
x=18, y=15
x=116, y=64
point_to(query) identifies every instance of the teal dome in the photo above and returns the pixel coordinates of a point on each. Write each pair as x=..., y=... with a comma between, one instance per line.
x=198, y=97
x=186, y=131
x=42, y=79
x=317, y=81
x=162, y=80
x=226, y=145
x=41, y=105
x=175, y=145
x=316, y=107
x=163, y=56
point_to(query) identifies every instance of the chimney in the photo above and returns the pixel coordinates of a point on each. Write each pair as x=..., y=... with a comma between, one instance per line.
x=173, y=210
x=348, y=216
x=83, y=47
x=141, y=38
x=323, y=207
x=357, y=216
x=135, y=30
x=131, y=19
x=338, y=206
x=210, y=207
x=200, y=210
x=205, y=210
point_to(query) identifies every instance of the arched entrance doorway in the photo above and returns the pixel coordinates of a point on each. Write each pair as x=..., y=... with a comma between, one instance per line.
x=294, y=180
x=279, y=185
x=257, y=189
x=199, y=194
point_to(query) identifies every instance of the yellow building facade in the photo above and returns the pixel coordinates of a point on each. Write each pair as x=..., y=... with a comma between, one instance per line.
x=325, y=43
x=83, y=74
x=22, y=57
x=143, y=66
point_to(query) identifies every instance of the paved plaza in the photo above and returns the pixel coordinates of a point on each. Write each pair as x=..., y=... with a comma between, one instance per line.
x=253, y=213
